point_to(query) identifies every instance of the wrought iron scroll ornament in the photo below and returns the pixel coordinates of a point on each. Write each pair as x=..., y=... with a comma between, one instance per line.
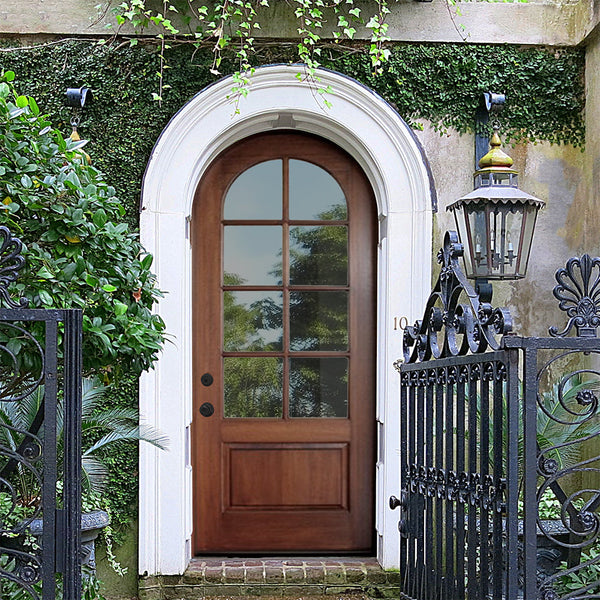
x=578, y=292
x=449, y=327
x=11, y=262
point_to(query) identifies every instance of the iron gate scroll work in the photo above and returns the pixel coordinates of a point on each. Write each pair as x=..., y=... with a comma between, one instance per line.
x=500, y=435
x=40, y=360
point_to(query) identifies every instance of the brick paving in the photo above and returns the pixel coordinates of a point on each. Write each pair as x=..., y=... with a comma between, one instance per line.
x=302, y=578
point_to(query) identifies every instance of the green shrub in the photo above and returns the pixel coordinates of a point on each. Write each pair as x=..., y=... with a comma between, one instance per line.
x=78, y=252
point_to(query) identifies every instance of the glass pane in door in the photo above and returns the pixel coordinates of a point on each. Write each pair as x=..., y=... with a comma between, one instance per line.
x=256, y=193
x=252, y=255
x=315, y=194
x=319, y=387
x=253, y=386
x=319, y=255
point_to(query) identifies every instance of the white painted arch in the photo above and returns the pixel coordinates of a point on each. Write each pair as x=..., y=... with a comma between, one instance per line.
x=369, y=129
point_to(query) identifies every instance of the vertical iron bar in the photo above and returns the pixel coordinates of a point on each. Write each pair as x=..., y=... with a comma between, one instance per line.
x=429, y=522
x=404, y=475
x=460, y=468
x=484, y=469
x=72, y=461
x=49, y=540
x=498, y=566
x=420, y=462
x=472, y=459
x=439, y=463
x=512, y=478
x=529, y=473
x=412, y=497
x=450, y=524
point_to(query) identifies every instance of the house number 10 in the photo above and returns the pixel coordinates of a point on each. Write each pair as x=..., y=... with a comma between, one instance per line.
x=400, y=323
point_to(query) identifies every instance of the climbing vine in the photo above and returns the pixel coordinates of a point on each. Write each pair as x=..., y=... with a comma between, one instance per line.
x=231, y=25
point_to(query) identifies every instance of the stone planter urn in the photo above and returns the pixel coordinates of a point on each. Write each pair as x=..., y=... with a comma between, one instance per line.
x=92, y=524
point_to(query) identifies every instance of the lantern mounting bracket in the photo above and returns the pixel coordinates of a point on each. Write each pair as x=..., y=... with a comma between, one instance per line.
x=489, y=104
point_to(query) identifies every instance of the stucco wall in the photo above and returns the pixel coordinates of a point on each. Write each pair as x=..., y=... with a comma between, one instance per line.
x=550, y=22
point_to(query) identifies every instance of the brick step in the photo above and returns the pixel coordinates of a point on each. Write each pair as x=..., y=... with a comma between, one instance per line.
x=271, y=579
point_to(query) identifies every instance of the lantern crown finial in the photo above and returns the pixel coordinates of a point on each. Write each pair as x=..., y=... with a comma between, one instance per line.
x=496, y=157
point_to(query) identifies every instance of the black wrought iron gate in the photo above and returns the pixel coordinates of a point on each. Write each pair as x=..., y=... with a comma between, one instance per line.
x=40, y=443
x=500, y=439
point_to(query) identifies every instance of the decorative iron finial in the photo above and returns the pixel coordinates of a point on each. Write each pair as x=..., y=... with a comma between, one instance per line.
x=578, y=292
x=11, y=262
x=449, y=327
x=496, y=157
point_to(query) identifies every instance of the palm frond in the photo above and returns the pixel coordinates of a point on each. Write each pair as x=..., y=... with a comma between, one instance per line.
x=133, y=433
x=94, y=474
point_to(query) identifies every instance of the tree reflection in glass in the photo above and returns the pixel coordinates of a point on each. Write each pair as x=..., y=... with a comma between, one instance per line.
x=253, y=386
x=319, y=255
x=319, y=387
x=318, y=316
x=252, y=321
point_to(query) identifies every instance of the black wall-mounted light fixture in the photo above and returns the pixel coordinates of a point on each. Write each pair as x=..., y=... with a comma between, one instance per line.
x=490, y=104
x=78, y=97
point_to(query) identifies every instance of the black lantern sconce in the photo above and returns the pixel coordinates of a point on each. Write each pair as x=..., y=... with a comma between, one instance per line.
x=496, y=220
x=77, y=97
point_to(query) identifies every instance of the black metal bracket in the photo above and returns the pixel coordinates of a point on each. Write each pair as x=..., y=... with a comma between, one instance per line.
x=489, y=104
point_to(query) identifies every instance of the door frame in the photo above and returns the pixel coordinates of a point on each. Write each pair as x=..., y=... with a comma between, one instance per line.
x=370, y=130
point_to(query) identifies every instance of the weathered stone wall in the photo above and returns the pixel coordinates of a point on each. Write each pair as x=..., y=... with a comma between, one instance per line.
x=549, y=22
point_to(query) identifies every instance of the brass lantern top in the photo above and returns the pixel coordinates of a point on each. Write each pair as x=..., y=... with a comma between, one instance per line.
x=496, y=181
x=496, y=157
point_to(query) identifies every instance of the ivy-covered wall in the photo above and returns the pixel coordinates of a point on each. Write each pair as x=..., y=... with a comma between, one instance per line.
x=440, y=83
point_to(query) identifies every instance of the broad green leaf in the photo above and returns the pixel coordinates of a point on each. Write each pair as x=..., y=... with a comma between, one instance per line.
x=120, y=308
x=91, y=280
x=45, y=297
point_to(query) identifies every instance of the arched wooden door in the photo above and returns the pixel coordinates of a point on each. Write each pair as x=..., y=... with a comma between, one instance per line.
x=284, y=237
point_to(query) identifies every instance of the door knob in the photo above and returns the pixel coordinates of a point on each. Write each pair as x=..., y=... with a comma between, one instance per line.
x=207, y=409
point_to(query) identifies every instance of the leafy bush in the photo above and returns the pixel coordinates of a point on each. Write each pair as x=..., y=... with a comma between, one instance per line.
x=78, y=253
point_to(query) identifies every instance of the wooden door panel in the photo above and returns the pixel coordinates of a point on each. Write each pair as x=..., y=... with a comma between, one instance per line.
x=286, y=476
x=285, y=484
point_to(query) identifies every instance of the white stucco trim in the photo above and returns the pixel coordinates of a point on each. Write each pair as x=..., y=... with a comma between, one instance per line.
x=366, y=127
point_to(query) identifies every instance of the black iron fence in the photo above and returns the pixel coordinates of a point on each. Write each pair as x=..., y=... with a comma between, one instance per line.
x=40, y=446
x=500, y=446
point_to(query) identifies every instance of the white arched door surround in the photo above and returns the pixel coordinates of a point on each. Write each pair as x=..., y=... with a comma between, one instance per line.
x=369, y=129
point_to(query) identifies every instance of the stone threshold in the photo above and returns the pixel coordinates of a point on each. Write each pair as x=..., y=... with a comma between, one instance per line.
x=299, y=578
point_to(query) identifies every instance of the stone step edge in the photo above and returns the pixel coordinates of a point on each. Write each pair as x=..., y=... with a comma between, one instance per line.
x=270, y=592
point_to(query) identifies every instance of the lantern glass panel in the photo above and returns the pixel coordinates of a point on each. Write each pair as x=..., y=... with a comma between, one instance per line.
x=505, y=226
x=530, y=217
x=476, y=241
x=464, y=233
x=496, y=238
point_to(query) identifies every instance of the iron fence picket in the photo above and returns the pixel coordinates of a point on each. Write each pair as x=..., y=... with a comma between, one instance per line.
x=484, y=470
x=473, y=467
